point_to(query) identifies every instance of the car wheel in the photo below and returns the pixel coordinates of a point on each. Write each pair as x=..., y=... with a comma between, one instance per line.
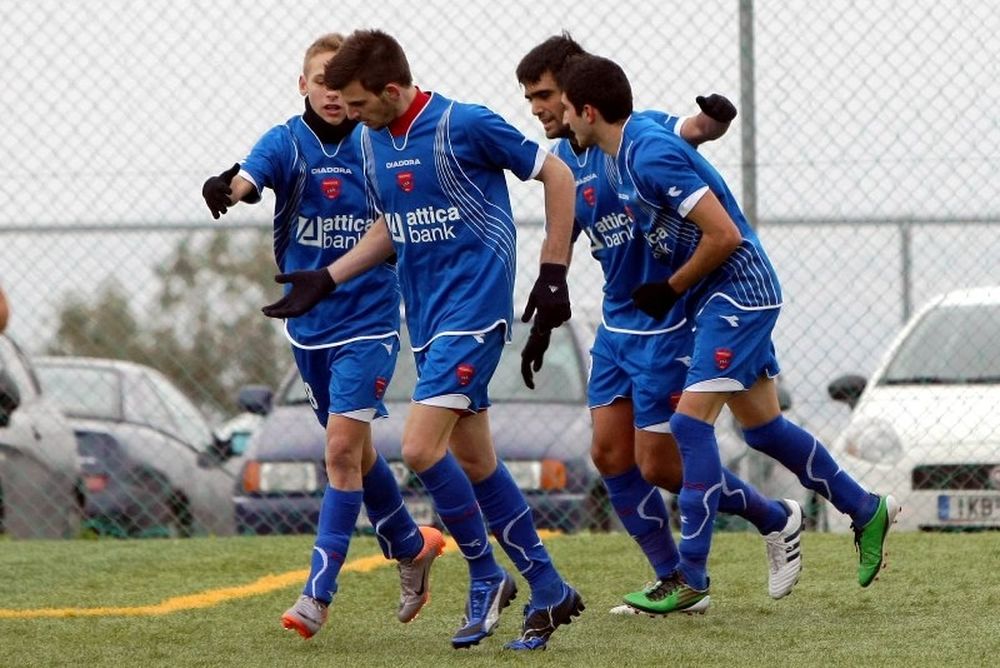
x=182, y=522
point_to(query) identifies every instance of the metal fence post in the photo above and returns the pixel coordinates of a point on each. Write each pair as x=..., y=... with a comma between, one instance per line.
x=748, y=133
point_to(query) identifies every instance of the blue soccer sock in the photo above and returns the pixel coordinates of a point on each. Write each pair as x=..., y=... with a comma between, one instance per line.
x=742, y=499
x=802, y=454
x=396, y=532
x=699, y=497
x=455, y=503
x=512, y=524
x=337, y=516
x=642, y=512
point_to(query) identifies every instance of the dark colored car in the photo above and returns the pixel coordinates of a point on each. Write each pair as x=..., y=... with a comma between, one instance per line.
x=39, y=473
x=150, y=464
x=542, y=435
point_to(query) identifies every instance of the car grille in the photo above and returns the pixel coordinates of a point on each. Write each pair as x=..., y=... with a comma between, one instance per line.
x=956, y=476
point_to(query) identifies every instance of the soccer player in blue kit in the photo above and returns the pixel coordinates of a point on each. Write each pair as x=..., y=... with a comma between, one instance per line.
x=346, y=347
x=436, y=168
x=638, y=363
x=719, y=271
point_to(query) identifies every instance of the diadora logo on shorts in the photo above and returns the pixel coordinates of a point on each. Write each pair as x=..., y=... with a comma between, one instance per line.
x=405, y=181
x=422, y=225
x=674, y=191
x=380, y=385
x=341, y=231
x=590, y=195
x=465, y=372
x=331, y=187
x=733, y=320
x=723, y=358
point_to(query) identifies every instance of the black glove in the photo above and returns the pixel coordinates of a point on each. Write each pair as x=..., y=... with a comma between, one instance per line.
x=717, y=107
x=216, y=191
x=308, y=288
x=531, y=356
x=550, y=296
x=655, y=299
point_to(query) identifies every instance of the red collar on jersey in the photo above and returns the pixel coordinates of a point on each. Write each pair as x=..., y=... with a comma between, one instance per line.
x=401, y=124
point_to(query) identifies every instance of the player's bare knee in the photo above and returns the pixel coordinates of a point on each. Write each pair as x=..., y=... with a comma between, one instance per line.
x=419, y=456
x=661, y=475
x=612, y=458
x=342, y=454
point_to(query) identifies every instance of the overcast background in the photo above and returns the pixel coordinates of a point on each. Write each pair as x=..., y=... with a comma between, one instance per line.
x=114, y=112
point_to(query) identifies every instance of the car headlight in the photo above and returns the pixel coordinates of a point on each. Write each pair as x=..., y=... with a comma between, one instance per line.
x=874, y=441
x=270, y=477
x=547, y=474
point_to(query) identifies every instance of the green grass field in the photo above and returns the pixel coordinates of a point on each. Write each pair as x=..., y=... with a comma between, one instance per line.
x=937, y=603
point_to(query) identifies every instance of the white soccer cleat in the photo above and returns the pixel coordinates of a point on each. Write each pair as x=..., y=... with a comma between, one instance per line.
x=784, y=553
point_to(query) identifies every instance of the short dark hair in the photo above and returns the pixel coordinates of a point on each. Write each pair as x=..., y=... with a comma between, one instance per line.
x=599, y=82
x=372, y=58
x=549, y=56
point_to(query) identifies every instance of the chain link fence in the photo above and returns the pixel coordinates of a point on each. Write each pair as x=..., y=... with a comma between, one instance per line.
x=866, y=151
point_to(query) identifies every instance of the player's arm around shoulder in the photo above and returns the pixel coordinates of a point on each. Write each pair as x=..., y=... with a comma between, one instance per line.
x=560, y=196
x=716, y=114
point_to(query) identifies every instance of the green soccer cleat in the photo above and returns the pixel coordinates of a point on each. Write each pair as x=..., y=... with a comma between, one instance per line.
x=671, y=595
x=869, y=540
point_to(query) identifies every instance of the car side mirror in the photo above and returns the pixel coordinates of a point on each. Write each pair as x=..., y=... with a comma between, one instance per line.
x=256, y=399
x=219, y=451
x=10, y=397
x=847, y=389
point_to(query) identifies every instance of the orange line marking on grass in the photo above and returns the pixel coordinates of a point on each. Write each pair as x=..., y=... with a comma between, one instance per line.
x=211, y=597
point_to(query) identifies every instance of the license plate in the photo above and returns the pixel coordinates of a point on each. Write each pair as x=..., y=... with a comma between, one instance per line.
x=421, y=511
x=984, y=509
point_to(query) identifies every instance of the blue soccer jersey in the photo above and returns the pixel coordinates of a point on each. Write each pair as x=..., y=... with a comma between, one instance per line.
x=624, y=257
x=442, y=189
x=321, y=211
x=662, y=179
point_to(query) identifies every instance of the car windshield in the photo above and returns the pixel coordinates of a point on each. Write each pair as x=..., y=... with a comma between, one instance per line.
x=561, y=379
x=83, y=392
x=950, y=345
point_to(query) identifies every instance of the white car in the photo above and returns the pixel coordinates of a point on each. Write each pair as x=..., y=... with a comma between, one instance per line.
x=926, y=427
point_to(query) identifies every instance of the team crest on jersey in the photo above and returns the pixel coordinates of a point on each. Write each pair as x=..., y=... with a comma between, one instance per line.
x=629, y=213
x=405, y=181
x=465, y=372
x=331, y=188
x=590, y=195
x=380, y=384
x=723, y=358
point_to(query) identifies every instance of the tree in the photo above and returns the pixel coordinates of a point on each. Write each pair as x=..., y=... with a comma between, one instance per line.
x=204, y=330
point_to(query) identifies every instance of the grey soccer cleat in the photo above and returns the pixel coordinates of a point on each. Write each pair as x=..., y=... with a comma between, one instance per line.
x=414, y=575
x=306, y=617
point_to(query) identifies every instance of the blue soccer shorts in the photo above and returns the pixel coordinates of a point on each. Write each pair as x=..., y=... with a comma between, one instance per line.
x=455, y=371
x=349, y=379
x=732, y=348
x=648, y=369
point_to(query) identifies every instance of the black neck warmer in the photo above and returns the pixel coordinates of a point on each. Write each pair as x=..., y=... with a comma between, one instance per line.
x=328, y=134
